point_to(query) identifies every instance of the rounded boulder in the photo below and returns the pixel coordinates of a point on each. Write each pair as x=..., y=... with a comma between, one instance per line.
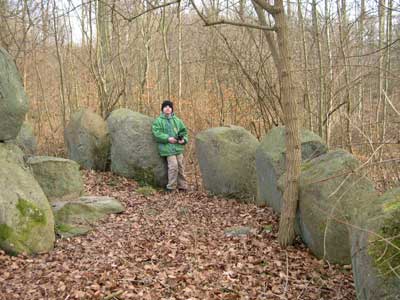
x=271, y=162
x=13, y=100
x=332, y=190
x=375, y=247
x=26, y=139
x=26, y=219
x=226, y=158
x=87, y=140
x=134, y=151
x=59, y=178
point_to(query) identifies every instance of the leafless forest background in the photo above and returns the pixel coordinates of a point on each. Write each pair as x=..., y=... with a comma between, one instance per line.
x=109, y=53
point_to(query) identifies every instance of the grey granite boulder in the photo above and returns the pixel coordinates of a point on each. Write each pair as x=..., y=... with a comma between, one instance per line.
x=87, y=140
x=78, y=217
x=331, y=192
x=26, y=219
x=271, y=162
x=13, y=100
x=134, y=151
x=59, y=178
x=375, y=248
x=226, y=158
x=26, y=139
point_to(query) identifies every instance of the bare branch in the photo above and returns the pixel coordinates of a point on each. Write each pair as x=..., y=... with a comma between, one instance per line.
x=130, y=19
x=240, y=24
x=272, y=9
x=221, y=22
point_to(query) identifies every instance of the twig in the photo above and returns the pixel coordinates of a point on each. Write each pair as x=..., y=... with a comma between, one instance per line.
x=113, y=295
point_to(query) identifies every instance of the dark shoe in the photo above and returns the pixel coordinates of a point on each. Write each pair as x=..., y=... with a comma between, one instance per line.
x=183, y=189
x=169, y=190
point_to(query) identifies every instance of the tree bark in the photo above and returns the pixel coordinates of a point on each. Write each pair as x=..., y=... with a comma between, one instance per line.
x=282, y=59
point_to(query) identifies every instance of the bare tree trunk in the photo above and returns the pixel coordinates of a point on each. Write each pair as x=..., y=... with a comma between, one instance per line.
x=3, y=25
x=329, y=86
x=293, y=154
x=341, y=10
x=44, y=7
x=282, y=60
x=307, y=101
x=84, y=12
x=381, y=17
x=389, y=33
x=103, y=55
x=179, y=54
x=165, y=28
x=360, y=61
x=60, y=66
x=321, y=73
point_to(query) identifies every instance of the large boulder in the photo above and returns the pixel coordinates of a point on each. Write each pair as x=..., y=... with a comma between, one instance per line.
x=26, y=139
x=78, y=217
x=375, y=248
x=331, y=192
x=13, y=100
x=271, y=162
x=226, y=158
x=134, y=151
x=59, y=178
x=87, y=140
x=26, y=219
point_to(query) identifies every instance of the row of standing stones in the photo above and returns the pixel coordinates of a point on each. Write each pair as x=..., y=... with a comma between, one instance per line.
x=340, y=217
x=39, y=195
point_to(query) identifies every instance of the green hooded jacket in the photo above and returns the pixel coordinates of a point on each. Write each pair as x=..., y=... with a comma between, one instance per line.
x=165, y=127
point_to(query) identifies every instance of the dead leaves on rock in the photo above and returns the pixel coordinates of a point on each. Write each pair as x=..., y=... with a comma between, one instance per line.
x=173, y=246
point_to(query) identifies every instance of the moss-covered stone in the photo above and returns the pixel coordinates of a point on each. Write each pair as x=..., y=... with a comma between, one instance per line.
x=5, y=232
x=385, y=247
x=331, y=192
x=79, y=216
x=31, y=212
x=146, y=190
x=26, y=139
x=375, y=240
x=226, y=158
x=14, y=103
x=26, y=219
x=59, y=178
x=134, y=151
x=87, y=140
x=271, y=162
x=66, y=231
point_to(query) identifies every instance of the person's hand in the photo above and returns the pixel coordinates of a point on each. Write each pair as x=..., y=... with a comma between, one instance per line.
x=182, y=141
x=172, y=140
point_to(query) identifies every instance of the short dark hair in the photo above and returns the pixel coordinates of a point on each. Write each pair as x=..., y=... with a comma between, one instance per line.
x=167, y=103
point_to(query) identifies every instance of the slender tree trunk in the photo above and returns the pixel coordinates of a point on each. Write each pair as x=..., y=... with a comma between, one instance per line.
x=103, y=55
x=321, y=73
x=387, y=69
x=341, y=10
x=60, y=66
x=307, y=101
x=381, y=17
x=179, y=54
x=282, y=59
x=166, y=51
x=293, y=154
x=360, y=62
x=328, y=83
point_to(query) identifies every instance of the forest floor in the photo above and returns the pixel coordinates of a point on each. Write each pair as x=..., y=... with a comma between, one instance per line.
x=173, y=246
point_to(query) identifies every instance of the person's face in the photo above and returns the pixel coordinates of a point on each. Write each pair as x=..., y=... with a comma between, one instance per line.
x=167, y=110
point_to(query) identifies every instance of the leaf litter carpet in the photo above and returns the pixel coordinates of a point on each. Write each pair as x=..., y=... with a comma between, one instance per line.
x=173, y=246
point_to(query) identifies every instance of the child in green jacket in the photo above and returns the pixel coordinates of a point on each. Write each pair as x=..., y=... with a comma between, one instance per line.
x=171, y=135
